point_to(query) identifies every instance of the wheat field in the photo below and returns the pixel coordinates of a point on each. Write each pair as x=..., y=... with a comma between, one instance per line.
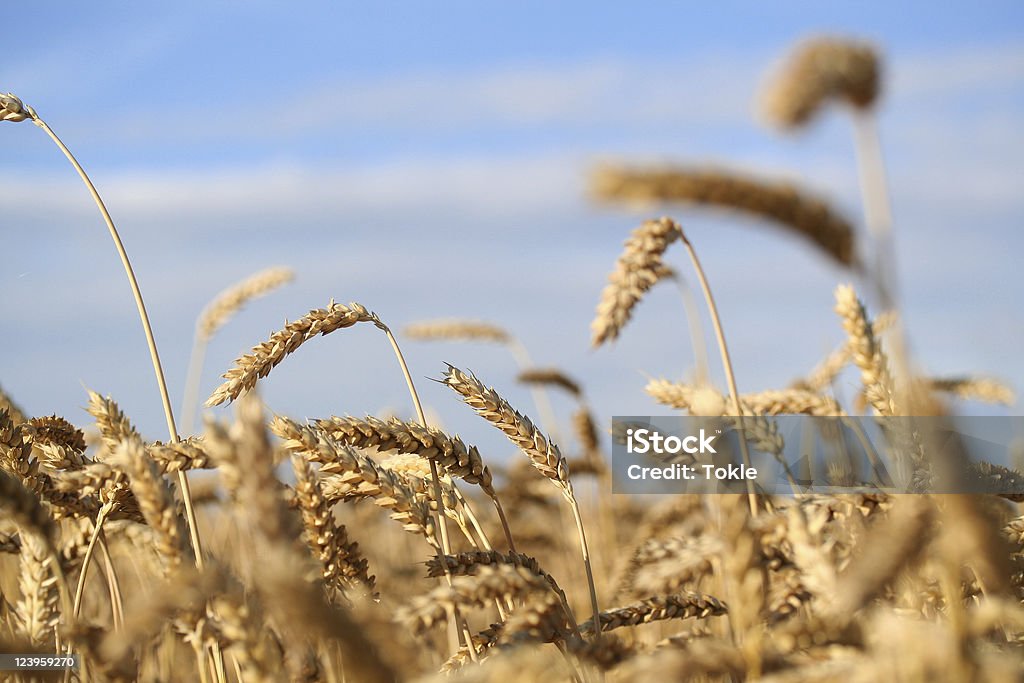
x=280, y=547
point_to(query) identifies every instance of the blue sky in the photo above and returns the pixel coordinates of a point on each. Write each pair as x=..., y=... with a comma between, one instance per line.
x=430, y=161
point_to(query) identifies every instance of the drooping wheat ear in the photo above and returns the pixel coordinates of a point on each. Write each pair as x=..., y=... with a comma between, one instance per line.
x=453, y=329
x=156, y=502
x=551, y=377
x=984, y=389
x=394, y=435
x=659, y=608
x=543, y=454
x=819, y=71
x=342, y=564
x=591, y=460
x=453, y=456
x=386, y=489
x=256, y=365
x=230, y=301
x=866, y=350
x=37, y=610
x=489, y=583
x=215, y=315
x=14, y=411
x=778, y=201
x=457, y=330
x=637, y=270
x=586, y=431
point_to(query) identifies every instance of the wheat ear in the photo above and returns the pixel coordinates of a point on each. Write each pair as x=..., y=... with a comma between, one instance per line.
x=394, y=435
x=543, y=454
x=215, y=315
x=782, y=203
x=456, y=329
x=818, y=71
x=866, y=350
x=636, y=271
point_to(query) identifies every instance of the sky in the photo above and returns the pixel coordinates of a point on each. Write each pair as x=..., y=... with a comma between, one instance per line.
x=431, y=160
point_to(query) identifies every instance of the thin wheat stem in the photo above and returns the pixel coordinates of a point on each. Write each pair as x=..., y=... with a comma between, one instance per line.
x=113, y=585
x=585, y=551
x=147, y=328
x=464, y=634
x=101, y=517
x=727, y=363
x=195, y=371
x=877, y=211
x=874, y=188
x=504, y=523
x=700, y=349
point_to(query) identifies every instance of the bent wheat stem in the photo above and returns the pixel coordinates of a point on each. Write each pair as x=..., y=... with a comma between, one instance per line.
x=147, y=328
x=726, y=362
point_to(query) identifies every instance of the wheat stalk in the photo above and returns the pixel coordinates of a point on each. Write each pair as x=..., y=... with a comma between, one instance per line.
x=16, y=111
